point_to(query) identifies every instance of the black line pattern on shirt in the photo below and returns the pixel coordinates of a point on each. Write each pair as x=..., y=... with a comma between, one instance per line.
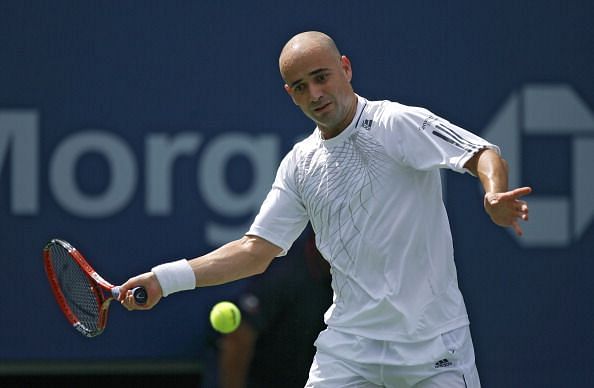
x=336, y=185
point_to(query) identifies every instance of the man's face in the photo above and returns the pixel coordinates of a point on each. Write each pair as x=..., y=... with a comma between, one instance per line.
x=318, y=81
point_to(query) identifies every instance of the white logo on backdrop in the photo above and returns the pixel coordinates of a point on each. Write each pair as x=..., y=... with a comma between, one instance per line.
x=20, y=140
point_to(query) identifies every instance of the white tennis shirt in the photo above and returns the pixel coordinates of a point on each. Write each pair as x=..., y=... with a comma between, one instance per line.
x=373, y=196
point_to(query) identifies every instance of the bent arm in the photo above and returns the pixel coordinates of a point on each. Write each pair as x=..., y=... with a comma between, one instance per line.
x=503, y=206
x=491, y=169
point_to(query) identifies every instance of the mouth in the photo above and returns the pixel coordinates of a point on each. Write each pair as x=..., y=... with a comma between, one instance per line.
x=322, y=107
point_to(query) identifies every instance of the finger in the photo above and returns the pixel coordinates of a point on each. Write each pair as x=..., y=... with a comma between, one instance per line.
x=517, y=228
x=524, y=206
x=123, y=292
x=514, y=194
x=519, y=192
x=130, y=303
x=521, y=215
x=521, y=207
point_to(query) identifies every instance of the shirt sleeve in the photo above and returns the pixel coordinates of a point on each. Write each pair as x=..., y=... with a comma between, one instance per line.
x=422, y=140
x=282, y=216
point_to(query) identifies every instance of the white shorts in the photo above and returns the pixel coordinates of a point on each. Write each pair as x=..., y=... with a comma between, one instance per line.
x=345, y=361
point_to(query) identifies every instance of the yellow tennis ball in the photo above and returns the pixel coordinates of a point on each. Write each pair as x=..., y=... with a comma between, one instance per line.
x=225, y=317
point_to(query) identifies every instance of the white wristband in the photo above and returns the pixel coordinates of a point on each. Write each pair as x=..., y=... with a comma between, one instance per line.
x=175, y=276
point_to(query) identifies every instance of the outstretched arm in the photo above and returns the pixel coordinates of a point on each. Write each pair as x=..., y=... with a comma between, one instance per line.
x=236, y=260
x=503, y=206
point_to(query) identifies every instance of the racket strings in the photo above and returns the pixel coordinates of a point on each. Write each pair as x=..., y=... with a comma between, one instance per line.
x=78, y=291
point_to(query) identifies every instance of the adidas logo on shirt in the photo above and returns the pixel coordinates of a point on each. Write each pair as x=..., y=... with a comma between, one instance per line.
x=367, y=124
x=442, y=363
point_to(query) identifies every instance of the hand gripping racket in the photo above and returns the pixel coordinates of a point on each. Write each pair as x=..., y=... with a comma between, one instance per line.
x=79, y=290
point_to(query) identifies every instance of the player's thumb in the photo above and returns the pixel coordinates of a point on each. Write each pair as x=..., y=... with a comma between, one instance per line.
x=124, y=288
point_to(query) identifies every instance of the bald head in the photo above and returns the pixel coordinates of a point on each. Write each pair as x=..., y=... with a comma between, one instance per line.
x=318, y=79
x=306, y=43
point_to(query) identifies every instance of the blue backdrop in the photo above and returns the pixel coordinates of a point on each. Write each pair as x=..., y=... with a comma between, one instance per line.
x=149, y=131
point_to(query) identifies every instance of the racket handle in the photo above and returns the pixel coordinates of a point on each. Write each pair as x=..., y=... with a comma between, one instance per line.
x=139, y=293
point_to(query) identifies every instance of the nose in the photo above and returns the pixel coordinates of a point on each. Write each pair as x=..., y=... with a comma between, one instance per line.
x=316, y=92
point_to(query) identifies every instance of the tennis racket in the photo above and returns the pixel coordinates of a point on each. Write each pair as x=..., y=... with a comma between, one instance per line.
x=79, y=290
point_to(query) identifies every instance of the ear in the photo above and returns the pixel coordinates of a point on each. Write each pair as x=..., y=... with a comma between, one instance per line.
x=345, y=63
x=290, y=93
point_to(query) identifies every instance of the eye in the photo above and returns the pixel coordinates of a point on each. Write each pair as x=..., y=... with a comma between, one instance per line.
x=321, y=77
x=299, y=88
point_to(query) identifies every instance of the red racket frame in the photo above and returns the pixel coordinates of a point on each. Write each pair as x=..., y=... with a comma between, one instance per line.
x=99, y=285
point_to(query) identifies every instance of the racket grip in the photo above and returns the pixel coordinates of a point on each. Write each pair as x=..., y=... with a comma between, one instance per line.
x=139, y=293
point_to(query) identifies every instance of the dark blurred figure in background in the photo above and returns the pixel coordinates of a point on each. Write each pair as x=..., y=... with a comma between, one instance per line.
x=282, y=314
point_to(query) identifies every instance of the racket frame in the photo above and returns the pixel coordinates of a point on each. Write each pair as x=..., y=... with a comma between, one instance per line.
x=98, y=284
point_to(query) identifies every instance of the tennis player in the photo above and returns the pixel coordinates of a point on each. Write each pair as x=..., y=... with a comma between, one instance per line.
x=368, y=180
